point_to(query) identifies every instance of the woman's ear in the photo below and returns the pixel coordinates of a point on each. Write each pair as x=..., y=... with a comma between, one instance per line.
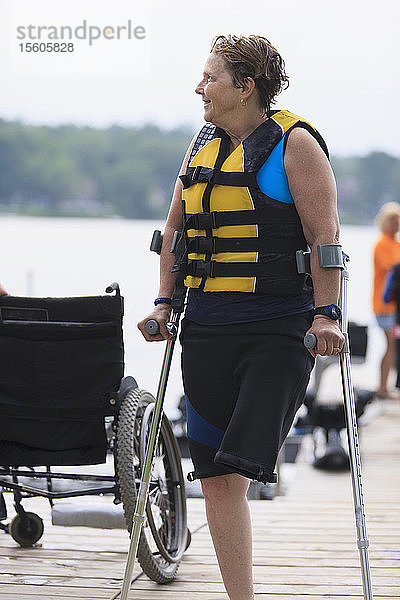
x=248, y=86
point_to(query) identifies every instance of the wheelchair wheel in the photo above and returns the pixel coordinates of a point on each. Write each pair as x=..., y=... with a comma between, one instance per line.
x=164, y=535
x=166, y=507
x=26, y=529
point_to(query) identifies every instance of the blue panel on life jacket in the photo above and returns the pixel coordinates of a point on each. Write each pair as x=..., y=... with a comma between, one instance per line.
x=272, y=177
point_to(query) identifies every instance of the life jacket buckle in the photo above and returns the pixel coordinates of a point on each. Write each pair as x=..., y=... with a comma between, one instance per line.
x=196, y=173
x=203, y=220
x=201, y=268
x=208, y=175
x=204, y=245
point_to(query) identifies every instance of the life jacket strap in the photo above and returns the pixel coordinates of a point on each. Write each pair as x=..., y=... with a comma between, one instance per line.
x=215, y=245
x=258, y=216
x=212, y=268
x=201, y=174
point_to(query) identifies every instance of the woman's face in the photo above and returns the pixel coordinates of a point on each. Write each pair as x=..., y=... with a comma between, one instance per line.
x=220, y=97
x=391, y=224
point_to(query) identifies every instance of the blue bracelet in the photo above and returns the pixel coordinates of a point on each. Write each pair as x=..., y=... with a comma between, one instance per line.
x=162, y=301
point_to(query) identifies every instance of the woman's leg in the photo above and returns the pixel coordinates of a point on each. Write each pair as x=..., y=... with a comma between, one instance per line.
x=228, y=516
x=387, y=362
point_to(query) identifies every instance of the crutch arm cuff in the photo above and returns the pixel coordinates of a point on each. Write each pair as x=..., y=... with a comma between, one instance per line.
x=330, y=256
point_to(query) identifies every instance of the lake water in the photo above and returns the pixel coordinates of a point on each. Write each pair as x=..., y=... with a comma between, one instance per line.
x=68, y=257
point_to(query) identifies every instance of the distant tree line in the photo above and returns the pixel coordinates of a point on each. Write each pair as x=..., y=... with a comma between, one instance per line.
x=130, y=172
x=364, y=184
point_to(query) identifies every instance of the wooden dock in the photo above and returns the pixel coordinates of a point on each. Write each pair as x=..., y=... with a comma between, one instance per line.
x=304, y=541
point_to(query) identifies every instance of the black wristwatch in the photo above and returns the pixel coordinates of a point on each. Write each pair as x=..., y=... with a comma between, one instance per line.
x=332, y=311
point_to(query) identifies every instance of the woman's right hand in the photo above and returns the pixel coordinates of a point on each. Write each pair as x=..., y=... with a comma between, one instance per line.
x=161, y=314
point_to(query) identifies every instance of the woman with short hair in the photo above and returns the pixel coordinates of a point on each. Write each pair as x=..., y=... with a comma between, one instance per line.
x=255, y=187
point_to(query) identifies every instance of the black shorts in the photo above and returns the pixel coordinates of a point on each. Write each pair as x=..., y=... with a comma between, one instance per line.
x=244, y=384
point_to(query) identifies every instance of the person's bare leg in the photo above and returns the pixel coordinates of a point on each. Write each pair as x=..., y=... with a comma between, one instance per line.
x=228, y=516
x=387, y=362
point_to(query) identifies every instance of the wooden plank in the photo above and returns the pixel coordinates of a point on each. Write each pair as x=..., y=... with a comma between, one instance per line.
x=57, y=594
x=25, y=593
x=279, y=557
x=192, y=572
x=182, y=585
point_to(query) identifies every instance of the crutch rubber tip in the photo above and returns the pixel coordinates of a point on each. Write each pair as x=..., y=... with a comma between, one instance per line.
x=310, y=340
x=152, y=327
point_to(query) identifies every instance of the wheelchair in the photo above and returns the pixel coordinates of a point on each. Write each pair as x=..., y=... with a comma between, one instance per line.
x=64, y=402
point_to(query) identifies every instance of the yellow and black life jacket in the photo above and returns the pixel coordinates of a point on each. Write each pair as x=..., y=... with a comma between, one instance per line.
x=235, y=237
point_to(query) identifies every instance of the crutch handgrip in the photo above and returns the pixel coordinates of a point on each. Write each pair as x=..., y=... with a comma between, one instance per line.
x=152, y=327
x=310, y=340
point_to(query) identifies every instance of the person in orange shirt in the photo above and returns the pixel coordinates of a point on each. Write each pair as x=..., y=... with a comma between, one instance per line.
x=386, y=255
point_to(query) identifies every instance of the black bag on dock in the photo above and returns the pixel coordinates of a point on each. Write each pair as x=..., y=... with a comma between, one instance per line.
x=358, y=339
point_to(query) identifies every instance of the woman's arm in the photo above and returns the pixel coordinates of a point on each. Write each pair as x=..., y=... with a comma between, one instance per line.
x=161, y=312
x=313, y=188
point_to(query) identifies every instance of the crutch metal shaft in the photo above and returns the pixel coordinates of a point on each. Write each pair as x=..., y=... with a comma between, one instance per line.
x=141, y=501
x=310, y=341
x=354, y=448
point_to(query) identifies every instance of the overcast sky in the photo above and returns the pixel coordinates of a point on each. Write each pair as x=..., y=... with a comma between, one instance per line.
x=342, y=58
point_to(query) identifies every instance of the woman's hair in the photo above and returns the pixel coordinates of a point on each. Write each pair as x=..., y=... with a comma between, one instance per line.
x=388, y=210
x=255, y=57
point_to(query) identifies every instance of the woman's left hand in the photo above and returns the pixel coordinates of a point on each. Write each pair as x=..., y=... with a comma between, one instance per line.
x=330, y=339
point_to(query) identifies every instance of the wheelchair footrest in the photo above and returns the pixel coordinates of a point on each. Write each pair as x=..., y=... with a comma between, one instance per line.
x=88, y=515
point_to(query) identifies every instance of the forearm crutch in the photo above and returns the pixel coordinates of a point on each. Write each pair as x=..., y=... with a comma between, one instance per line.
x=331, y=256
x=141, y=501
x=152, y=327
